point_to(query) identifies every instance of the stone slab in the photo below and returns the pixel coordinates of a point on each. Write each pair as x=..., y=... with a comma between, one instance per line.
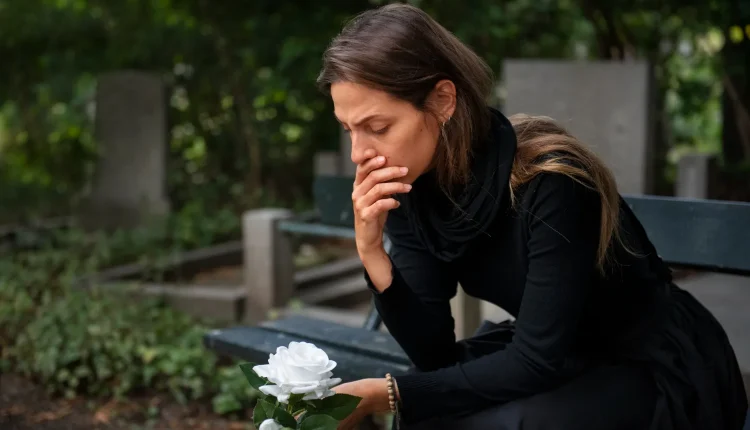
x=129, y=183
x=605, y=104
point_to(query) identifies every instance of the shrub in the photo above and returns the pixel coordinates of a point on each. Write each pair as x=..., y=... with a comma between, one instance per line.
x=107, y=343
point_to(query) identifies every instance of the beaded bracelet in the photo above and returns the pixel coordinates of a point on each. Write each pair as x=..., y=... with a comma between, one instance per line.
x=392, y=401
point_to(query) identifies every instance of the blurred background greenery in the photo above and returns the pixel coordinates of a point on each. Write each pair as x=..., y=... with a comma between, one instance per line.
x=245, y=117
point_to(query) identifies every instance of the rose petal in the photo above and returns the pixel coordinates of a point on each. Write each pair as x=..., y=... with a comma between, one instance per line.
x=330, y=366
x=304, y=354
x=264, y=370
x=304, y=389
x=328, y=383
x=318, y=394
x=270, y=424
x=274, y=390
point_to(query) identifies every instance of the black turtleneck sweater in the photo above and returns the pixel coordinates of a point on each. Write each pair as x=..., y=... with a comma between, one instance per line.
x=536, y=260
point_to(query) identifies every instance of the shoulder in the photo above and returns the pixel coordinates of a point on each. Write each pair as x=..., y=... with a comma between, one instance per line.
x=550, y=194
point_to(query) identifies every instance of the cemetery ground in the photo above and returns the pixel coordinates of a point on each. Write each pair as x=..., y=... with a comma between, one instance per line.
x=26, y=405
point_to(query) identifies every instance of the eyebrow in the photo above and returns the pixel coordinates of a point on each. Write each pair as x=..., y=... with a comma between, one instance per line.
x=363, y=120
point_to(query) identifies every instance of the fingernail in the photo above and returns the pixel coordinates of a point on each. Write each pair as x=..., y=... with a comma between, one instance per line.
x=380, y=159
x=404, y=169
x=408, y=187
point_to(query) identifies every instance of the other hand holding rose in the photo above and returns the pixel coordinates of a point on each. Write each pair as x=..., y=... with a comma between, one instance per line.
x=296, y=384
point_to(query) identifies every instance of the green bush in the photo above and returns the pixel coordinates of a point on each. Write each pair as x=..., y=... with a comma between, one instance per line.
x=106, y=343
x=109, y=344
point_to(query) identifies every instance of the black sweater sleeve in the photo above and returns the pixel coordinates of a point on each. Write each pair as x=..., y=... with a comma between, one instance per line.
x=563, y=232
x=416, y=307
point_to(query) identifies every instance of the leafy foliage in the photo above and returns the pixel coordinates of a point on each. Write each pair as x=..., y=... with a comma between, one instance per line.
x=101, y=344
x=245, y=117
x=105, y=343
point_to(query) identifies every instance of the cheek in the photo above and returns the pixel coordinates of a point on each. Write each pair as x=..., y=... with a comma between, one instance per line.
x=423, y=148
x=412, y=147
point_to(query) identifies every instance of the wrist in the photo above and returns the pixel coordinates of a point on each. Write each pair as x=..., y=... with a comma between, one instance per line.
x=372, y=251
x=378, y=395
x=379, y=269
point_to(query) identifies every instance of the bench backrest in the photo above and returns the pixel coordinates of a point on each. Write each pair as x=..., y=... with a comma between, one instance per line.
x=333, y=200
x=704, y=234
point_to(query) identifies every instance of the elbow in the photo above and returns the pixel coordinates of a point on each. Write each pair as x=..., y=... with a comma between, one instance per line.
x=436, y=361
x=549, y=370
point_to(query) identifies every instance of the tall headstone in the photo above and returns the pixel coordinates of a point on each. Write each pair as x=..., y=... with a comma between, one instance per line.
x=695, y=176
x=348, y=168
x=606, y=104
x=131, y=130
x=327, y=163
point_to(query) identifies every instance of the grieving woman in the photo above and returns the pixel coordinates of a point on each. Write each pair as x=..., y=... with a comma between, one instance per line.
x=522, y=215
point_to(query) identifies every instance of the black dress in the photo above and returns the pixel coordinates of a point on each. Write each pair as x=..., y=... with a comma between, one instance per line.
x=622, y=349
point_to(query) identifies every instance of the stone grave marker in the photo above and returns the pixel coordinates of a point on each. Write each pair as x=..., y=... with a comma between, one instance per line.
x=131, y=130
x=606, y=104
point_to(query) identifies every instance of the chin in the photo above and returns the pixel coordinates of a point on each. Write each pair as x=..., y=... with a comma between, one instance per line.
x=410, y=178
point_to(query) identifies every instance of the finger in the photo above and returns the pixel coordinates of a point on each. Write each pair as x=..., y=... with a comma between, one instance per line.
x=372, y=212
x=381, y=175
x=368, y=166
x=379, y=191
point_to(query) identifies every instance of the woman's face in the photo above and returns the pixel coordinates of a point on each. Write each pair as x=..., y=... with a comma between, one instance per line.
x=380, y=124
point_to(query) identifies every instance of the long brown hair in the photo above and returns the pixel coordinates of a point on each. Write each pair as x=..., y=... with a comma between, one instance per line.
x=401, y=50
x=546, y=147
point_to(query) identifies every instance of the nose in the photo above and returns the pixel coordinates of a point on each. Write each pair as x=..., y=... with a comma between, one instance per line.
x=359, y=148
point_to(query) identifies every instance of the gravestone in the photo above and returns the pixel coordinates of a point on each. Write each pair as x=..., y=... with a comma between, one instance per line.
x=131, y=130
x=695, y=175
x=348, y=168
x=268, y=263
x=327, y=163
x=606, y=104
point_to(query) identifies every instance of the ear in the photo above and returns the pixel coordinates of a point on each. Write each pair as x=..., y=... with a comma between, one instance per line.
x=443, y=100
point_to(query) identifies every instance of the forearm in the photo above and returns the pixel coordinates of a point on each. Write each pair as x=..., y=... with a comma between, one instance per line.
x=472, y=386
x=379, y=268
x=421, y=325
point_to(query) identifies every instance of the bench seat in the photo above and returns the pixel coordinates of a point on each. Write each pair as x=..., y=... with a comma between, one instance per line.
x=359, y=353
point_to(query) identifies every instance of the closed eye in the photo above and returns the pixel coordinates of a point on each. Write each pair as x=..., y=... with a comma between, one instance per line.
x=380, y=130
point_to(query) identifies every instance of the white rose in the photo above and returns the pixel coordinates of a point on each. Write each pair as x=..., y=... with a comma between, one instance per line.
x=270, y=424
x=302, y=368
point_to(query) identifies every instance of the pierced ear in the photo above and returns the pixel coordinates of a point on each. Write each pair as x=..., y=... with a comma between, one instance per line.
x=444, y=100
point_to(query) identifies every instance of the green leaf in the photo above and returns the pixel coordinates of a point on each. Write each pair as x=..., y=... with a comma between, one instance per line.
x=263, y=411
x=319, y=422
x=294, y=399
x=284, y=418
x=252, y=377
x=338, y=406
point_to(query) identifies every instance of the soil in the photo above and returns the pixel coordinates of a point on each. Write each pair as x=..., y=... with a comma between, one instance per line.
x=25, y=406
